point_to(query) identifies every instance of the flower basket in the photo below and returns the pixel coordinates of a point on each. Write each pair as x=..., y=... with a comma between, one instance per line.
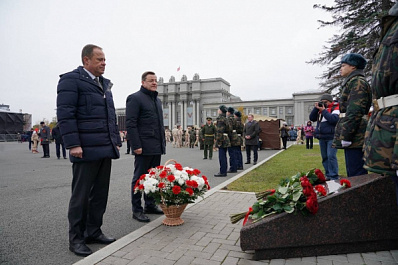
x=172, y=185
x=173, y=214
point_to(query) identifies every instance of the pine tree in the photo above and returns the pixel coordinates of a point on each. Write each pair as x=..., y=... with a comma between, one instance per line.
x=359, y=21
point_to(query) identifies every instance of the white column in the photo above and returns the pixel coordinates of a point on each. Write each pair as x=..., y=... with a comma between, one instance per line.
x=185, y=118
x=170, y=110
x=173, y=114
x=198, y=114
x=193, y=112
x=182, y=114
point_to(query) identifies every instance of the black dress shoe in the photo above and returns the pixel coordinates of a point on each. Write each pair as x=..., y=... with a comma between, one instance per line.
x=248, y=162
x=141, y=217
x=230, y=171
x=220, y=175
x=80, y=249
x=254, y=163
x=240, y=168
x=65, y=157
x=204, y=157
x=101, y=239
x=58, y=157
x=153, y=210
x=210, y=158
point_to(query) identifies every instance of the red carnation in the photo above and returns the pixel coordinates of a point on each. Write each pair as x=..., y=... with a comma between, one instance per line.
x=320, y=189
x=312, y=204
x=161, y=185
x=307, y=191
x=142, y=177
x=141, y=186
x=163, y=174
x=345, y=183
x=171, y=178
x=272, y=192
x=204, y=178
x=159, y=167
x=190, y=191
x=320, y=175
x=178, y=166
x=194, y=184
x=189, y=172
x=152, y=173
x=176, y=189
x=196, y=171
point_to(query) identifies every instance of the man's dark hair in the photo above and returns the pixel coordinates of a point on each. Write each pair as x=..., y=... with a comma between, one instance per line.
x=88, y=51
x=143, y=77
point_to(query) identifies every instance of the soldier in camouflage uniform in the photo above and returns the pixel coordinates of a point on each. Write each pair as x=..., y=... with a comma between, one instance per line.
x=381, y=145
x=239, y=131
x=208, y=132
x=354, y=102
x=233, y=138
x=222, y=140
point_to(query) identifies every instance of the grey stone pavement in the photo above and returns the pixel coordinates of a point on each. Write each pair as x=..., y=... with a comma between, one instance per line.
x=207, y=237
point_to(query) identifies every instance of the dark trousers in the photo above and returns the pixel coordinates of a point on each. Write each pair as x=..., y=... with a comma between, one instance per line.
x=354, y=162
x=248, y=153
x=90, y=187
x=309, y=142
x=239, y=157
x=58, y=151
x=30, y=143
x=46, y=149
x=284, y=142
x=233, y=162
x=222, y=159
x=141, y=165
x=208, y=149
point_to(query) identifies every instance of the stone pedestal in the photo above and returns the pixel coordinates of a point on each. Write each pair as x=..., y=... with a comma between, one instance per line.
x=362, y=218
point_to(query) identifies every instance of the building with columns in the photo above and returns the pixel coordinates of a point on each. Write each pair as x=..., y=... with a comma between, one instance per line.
x=189, y=102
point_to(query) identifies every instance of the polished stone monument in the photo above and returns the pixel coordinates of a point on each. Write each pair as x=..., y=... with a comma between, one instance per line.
x=363, y=218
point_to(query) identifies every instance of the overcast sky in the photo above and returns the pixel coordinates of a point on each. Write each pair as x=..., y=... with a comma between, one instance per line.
x=260, y=47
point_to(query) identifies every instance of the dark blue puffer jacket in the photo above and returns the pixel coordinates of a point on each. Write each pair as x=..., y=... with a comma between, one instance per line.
x=326, y=121
x=86, y=116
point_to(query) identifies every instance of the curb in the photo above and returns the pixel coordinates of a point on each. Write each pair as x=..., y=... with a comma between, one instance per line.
x=124, y=241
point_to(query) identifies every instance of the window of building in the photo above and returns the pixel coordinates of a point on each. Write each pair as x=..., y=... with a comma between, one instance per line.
x=289, y=120
x=214, y=111
x=265, y=111
x=272, y=111
x=280, y=110
x=289, y=110
x=257, y=111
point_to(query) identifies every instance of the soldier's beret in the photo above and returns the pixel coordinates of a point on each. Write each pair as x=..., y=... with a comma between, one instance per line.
x=209, y=118
x=354, y=59
x=223, y=108
x=231, y=110
x=238, y=114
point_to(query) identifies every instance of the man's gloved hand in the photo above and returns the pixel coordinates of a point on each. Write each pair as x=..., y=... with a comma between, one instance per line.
x=345, y=143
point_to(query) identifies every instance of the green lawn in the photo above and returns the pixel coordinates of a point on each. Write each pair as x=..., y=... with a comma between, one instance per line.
x=286, y=164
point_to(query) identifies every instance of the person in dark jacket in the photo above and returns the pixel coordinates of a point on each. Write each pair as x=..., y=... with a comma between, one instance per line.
x=45, y=136
x=58, y=142
x=144, y=122
x=251, y=132
x=87, y=121
x=326, y=114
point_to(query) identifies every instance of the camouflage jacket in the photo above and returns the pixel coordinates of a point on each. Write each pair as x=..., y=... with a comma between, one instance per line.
x=208, y=133
x=381, y=146
x=222, y=139
x=239, y=131
x=354, y=102
x=233, y=134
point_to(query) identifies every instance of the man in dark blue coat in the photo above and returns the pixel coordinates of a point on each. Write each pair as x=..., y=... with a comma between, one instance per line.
x=144, y=122
x=87, y=121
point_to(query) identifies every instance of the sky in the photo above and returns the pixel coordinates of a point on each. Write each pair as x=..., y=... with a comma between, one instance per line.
x=260, y=47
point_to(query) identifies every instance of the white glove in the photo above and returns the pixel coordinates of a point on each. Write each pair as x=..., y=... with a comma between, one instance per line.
x=345, y=143
x=397, y=172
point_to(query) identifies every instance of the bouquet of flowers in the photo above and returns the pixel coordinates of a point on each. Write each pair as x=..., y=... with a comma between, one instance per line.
x=172, y=184
x=295, y=194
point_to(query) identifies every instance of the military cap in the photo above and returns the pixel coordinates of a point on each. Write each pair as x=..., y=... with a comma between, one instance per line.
x=223, y=108
x=238, y=114
x=209, y=119
x=231, y=110
x=327, y=97
x=354, y=59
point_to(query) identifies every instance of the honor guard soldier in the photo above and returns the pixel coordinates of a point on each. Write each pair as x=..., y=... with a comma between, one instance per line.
x=208, y=131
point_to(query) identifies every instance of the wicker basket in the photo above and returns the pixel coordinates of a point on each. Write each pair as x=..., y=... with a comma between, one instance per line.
x=173, y=214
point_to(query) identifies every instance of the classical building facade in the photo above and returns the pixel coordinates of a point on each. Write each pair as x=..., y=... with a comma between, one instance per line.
x=189, y=102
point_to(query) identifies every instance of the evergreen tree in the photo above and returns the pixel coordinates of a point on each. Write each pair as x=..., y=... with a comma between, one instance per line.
x=359, y=21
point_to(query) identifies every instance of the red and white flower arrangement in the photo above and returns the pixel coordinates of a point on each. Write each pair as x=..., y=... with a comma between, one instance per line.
x=173, y=184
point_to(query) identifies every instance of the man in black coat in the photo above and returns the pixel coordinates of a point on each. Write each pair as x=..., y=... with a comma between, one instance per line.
x=87, y=121
x=45, y=136
x=59, y=143
x=144, y=122
x=251, y=132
